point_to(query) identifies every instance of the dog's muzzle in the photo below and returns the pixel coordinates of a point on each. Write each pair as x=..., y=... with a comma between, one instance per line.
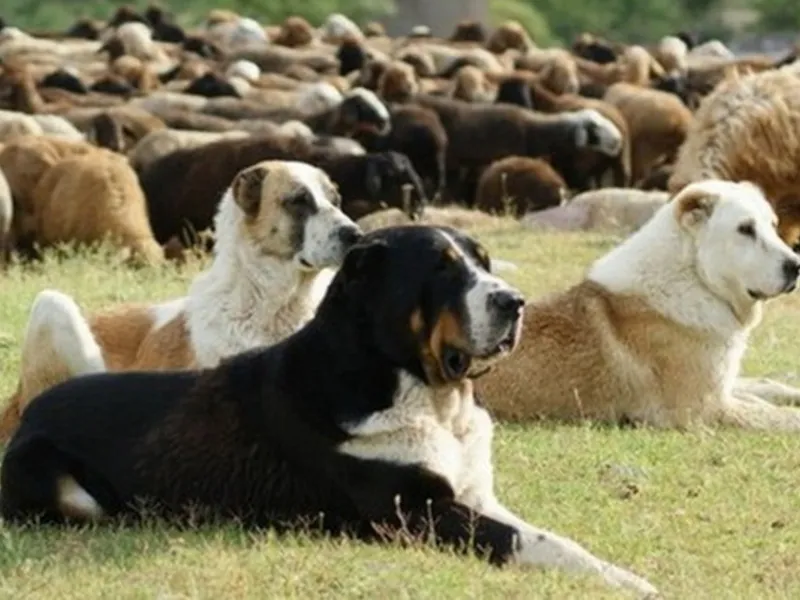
x=507, y=307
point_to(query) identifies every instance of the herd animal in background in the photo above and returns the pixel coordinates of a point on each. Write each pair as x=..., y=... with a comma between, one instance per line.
x=290, y=142
x=482, y=119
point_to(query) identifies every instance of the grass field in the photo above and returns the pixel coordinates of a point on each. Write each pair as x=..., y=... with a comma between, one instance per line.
x=705, y=514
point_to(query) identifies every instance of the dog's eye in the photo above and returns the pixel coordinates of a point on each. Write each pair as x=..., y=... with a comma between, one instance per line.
x=299, y=199
x=747, y=229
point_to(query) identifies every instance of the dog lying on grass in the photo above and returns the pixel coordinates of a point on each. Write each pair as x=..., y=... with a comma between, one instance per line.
x=656, y=331
x=361, y=423
x=280, y=233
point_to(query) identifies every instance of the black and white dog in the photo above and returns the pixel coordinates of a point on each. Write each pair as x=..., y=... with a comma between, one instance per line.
x=362, y=422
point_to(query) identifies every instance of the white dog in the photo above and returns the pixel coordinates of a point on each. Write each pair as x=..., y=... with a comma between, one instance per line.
x=657, y=330
x=279, y=234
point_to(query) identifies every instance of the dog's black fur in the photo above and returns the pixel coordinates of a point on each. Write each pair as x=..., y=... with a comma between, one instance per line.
x=256, y=438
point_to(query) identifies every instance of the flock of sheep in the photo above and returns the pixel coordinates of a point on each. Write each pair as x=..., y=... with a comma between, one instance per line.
x=132, y=128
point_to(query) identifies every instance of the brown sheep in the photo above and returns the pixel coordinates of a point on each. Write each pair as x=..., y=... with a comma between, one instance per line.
x=510, y=35
x=635, y=65
x=25, y=159
x=282, y=59
x=519, y=185
x=295, y=32
x=657, y=179
x=588, y=167
x=89, y=197
x=748, y=129
x=17, y=84
x=480, y=134
x=397, y=82
x=658, y=123
x=185, y=186
x=120, y=126
x=374, y=29
x=469, y=31
x=160, y=143
x=418, y=133
x=471, y=85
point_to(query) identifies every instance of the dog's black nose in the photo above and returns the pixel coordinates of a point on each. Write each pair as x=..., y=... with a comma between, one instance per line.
x=507, y=302
x=349, y=235
x=791, y=269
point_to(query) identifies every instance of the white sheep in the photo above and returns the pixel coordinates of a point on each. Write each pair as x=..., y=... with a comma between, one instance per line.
x=338, y=26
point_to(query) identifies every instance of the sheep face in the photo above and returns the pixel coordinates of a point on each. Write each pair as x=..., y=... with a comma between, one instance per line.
x=112, y=85
x=596, y=132
x=392, y=180
x=361, y=110
x=64, y=80
x=211, y=85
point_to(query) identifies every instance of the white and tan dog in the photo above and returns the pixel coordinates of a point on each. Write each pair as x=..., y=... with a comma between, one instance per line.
x=657, y=330
x=279, y=234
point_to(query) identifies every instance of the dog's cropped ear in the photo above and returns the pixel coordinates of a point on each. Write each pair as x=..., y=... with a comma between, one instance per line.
x=246, y=189
x=694, y=206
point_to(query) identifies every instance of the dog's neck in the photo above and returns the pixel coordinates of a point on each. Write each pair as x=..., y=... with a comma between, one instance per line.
x=247, y=299
x=658, y=263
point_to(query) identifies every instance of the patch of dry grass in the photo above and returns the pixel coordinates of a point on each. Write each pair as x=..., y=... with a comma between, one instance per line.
x=701, y=515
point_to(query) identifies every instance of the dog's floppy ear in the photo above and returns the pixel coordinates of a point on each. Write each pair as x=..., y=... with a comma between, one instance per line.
x=246, y=188
x=364, y=259
x=360, y=263
x=694, y=206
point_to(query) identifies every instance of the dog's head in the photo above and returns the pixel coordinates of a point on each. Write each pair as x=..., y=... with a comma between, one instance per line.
x=292, y=211
x=738, y=253
x=392, y=180
x=426, y=302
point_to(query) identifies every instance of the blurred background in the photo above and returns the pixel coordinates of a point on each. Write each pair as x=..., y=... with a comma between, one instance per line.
x=744, y=25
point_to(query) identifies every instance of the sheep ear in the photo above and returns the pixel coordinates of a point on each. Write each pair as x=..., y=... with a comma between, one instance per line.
x=246, y=188
x=694, y=206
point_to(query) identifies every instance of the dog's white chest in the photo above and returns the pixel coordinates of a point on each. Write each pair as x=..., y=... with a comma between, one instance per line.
x=422, y=427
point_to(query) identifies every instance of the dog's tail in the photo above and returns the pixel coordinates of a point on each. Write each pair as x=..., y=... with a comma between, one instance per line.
x=9, y=419
x=58, y=345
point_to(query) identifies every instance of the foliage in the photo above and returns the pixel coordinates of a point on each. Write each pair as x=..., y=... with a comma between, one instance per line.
x=778, y=15
x=622, y=20
x=58, y=14
x=528, y=16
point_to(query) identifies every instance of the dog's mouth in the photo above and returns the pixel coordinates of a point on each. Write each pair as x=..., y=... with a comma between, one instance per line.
x=509, y=342
x=458, y=364
x=455, y=363
x=756, y=295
